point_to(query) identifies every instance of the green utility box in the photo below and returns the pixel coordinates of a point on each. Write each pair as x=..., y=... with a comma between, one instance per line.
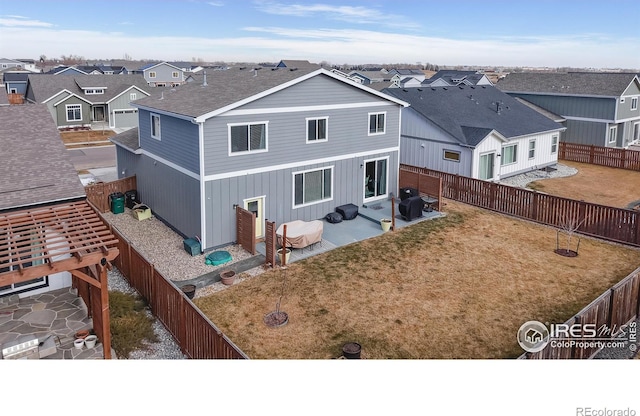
x=192, y=246
x=116, y=202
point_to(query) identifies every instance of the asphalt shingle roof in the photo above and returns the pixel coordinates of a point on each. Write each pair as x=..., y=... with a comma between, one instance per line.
x=469, y=113
x=46, y=85
x=35, y=167
x=223, y=88
x=128, y=139
x=572, y=83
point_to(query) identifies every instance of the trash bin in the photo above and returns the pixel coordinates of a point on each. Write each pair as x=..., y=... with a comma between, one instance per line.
x=131, y=198
x=116, y=202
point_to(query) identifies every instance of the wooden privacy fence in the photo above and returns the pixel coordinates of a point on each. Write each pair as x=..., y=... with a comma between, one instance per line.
x=424, y=183
x=98, y=194
x=599, y=155
x=614, y=224
x=246, y=229
x=196, y=335
x=612, y=310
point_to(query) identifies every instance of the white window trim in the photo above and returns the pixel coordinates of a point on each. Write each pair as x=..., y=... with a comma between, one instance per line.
x=13, y=90
x=515, y=154
x=66, y=110
x=614, y=136
x=175, y=74
x=555, y=142
x=157, y=136
x=293, y=190
x=445, y=151
x=306, y=122
x=634, y=128
x=529, y=149
x=248, y=152
x=133, y=96
x=386, y=186
x=152, y=74
x=384, y=128
x=634, y=100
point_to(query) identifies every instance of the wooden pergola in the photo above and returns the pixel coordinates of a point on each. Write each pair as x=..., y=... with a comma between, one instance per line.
x=66, y=237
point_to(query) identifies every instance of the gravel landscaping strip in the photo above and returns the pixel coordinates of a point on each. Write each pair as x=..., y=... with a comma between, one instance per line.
x=521, y=181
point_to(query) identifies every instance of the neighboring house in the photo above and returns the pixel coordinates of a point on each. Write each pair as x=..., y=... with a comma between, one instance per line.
x=35, y=171
x=600, y=109
x=4, y=98
x=404, y=73
x=16, y=82
x=286, y=144
x=371, y=77
x=474, y=131
x=163, y=74
x=450, y=78
x=293, y=64
x=85, y=99
x=17, y=64
x=66, y=70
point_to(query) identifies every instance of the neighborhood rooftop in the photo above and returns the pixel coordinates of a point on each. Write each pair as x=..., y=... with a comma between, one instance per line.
x=35, y=167
x=469, y=113
x=571, y=83
x=44, y=86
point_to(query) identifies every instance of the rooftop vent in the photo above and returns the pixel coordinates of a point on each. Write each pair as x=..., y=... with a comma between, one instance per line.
x=204, y=82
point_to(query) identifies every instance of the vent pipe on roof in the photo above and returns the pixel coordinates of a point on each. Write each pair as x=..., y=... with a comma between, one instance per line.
x=204, y=82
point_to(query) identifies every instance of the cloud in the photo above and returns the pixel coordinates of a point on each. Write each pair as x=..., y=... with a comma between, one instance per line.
x=215, y=3
x=17, y=21
x=351, y=14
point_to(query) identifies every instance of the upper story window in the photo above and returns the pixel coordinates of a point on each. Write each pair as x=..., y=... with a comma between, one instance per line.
x=554, y=145
x=251, y=137
x=94, y=91
x=509, y=154
x=74, y=112
x=175, y=74
x=532, y=149
x=155, y=126
x=152, y=74
x=377, y=123
x=133, y=96
x=634, y=103
x=317, y=129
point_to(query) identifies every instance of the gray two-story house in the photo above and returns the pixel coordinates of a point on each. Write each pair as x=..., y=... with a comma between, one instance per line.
x=285, y=144
x=600, y=109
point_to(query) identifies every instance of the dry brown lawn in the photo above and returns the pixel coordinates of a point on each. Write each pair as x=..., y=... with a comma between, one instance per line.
x=598, y=184
x=73, y=139
x=456, y=287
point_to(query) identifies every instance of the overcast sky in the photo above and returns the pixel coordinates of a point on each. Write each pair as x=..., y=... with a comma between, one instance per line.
x=597, y=34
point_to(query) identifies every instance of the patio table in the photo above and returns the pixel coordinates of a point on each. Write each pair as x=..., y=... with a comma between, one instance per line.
x=300, y=234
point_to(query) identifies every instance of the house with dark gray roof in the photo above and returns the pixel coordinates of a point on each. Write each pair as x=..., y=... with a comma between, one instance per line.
x=15, y=82
x=474, y=131
x=35, y=172
x=600, y=109
x=450, y=78
x=80, y=100
x=285, y=143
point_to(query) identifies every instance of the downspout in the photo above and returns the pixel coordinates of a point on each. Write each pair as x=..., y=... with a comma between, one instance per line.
x=203, y=199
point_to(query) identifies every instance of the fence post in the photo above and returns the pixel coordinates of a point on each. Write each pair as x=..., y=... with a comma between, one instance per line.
x=591, y=153
x=457, y=187
x=582, y=215
x=534, y=206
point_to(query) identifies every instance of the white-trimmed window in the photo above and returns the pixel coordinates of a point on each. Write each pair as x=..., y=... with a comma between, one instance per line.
x=245, y=138
x=509, y=154
x=554, y=145
x=317, y=129
x=175, y=74
x=451, y=155
x=532, y=148
x=13, y=90
x=636, y=132
x=152, y=74
x=74, y=112
x=133, y=96
x=94, y=91
x=613, y=134
x=312, y=186
x=377, y=123
x=634, y=103
x=155, y=126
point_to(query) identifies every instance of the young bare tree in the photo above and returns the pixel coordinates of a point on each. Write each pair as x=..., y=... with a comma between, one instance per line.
x=569, y=224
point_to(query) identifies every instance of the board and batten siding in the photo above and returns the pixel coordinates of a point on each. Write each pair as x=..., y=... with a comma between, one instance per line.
x=597, y=108
x=277, y=187
x=61, y=111
x=585, y=132
x=543, y=156
x=624, y=108
x=178, y=142
x=171, y=195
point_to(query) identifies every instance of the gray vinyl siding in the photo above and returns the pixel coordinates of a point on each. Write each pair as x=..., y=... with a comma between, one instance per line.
x=178, y=143
x=624, y=109
x=122, y=102
x=277, y=186
x=585, y=107
x=286, y=138
x=416, y=133
x=585, y=132
x=163, y=74
x=171, y=195
x=61, y=112
x=21, y=87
